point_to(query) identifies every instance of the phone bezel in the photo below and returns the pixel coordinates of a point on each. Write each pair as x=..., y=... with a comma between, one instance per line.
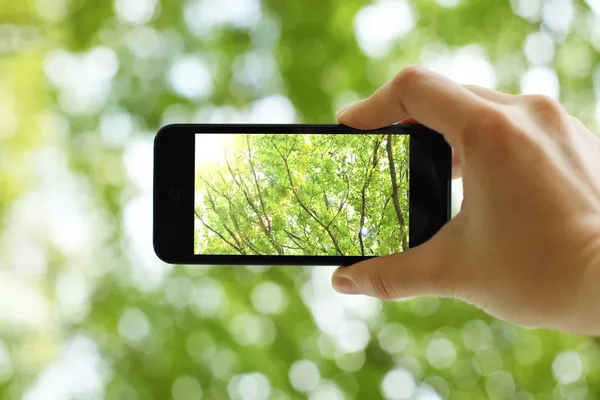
x=173, y=222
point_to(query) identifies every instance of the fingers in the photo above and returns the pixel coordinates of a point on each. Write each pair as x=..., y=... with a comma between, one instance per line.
x=491, y=95
x=408, y=120
x=484, y=93
x=456, y=165
x=430, y=269
x=433, y=100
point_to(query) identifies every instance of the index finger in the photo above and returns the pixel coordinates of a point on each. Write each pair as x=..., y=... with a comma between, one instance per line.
x=433, y=100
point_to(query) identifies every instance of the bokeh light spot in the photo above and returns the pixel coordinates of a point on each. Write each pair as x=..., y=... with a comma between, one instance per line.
x=208, y=297
x=448, y=3
x=527, y=348
x=575, y=391
x=21, y=305
x=304, y=375
x=269, y=298
x=365, y=307
x=266, y=34
x=426, y=392
x=257, y=69
x=178, y=290
x=500, y=385
x=540, y=80
x=272, y=109
x=186, y=388
x=83, y=80
x=393, y=338
x=200, y=347
x=327, y=316
x=488, y=361
x=576, y=59
x=528, y=9
x=135, y=11
x=476, y=335
x=249, y=329
x=327, y=391
x=424, y=306
x=133, y=325
x=567, y=367
x=177, y=114
x=558, y=15
x=204, y=16
x=351, y=362
x=440, y=352
x=72, y=293
x=147, y=272
x=223, y=362
x=539, y=48
x=6, y=364
x=353, y=336
x=58, y=67
x=467, y=65
x=524, y=396
x=144, y=42
x=377, y=25
x=594, y=5
x=251, y=386
x=398, y=384
x=102, y=63
x=464, y=372
x=411, y=364
x=326, y=346
x=52, y=10
x=9, y=121
x=77, y=373
x=116, y=128
x=440, y=385
x=190, y=77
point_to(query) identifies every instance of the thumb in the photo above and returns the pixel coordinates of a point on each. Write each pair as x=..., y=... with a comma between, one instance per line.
x=431, y=269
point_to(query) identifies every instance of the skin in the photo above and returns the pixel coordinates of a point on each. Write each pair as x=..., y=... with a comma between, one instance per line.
x=525, y=246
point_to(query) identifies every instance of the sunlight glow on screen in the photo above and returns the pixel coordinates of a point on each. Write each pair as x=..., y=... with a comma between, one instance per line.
x=211, y=149
x=301, y=194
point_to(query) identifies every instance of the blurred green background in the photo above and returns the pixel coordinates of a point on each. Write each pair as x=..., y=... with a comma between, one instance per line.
x=86, y=309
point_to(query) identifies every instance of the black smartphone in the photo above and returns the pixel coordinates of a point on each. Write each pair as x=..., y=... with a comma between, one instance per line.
x=296, y=194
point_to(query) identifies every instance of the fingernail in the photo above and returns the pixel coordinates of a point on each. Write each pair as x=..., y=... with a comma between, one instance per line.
x=345, y=285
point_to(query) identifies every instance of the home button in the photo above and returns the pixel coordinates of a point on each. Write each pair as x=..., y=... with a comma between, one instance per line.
x=174, y=194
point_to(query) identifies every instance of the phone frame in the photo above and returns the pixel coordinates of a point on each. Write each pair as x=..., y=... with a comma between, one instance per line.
x=430, y=167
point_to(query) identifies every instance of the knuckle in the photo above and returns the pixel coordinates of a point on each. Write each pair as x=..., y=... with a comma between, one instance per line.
x=543, y=104
x=488, y=123
x=546, y=110
x=407, y=76
x=495, y=120
x=381, y=287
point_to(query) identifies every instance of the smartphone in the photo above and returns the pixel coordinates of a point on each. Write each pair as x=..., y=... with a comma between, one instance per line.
x=296, y=194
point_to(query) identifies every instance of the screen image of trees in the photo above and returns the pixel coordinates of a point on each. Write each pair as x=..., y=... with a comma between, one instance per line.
x=301, y=194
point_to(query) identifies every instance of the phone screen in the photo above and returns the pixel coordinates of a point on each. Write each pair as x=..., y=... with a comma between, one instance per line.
x=301, y=194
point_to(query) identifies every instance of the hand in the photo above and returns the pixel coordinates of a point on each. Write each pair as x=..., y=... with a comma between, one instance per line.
x=525, y=246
